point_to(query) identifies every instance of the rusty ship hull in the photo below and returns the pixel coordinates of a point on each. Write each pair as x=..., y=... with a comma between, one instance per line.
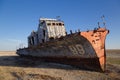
x=83, y=49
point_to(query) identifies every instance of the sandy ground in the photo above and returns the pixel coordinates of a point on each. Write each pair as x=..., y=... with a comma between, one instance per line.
x=13, y=67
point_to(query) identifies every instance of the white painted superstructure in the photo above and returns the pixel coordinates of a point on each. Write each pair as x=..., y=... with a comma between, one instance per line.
x=47, y=29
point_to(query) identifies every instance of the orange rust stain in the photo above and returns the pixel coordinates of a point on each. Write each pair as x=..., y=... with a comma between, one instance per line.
x=97, y=40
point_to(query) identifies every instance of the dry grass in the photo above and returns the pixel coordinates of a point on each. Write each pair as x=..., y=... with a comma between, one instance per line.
x=113, y=51
x=12, y=67
x=113, y=61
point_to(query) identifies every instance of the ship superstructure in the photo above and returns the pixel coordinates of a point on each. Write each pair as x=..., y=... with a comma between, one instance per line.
x=47, y=29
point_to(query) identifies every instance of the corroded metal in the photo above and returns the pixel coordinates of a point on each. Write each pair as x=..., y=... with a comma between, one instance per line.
x=82, y=49
x=97, y=40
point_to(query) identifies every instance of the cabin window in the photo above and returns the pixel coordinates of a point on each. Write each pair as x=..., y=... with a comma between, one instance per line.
x=48, y=24
x=43, y=40
x=60, y=24
x=29, y=41
x=37, y=37
x=33, y=40
x=53, y=24
x=57, y=24
x=43, y=32
x=63, y=24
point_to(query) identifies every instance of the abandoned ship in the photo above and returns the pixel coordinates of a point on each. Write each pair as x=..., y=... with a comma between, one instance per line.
x=84, y=49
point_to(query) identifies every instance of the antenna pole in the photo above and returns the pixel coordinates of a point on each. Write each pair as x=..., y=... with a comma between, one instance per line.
x=103, y=19
x=98, y=24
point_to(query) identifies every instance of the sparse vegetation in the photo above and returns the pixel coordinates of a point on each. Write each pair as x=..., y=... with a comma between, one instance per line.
x=113, y=51
x=113, y=61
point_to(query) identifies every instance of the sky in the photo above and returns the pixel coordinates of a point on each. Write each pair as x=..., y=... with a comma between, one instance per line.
x=19, y=17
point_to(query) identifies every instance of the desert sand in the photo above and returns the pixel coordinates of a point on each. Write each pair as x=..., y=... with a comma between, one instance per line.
x=14, y=67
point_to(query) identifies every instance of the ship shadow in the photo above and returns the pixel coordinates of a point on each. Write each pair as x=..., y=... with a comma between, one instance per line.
x=17, y=61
